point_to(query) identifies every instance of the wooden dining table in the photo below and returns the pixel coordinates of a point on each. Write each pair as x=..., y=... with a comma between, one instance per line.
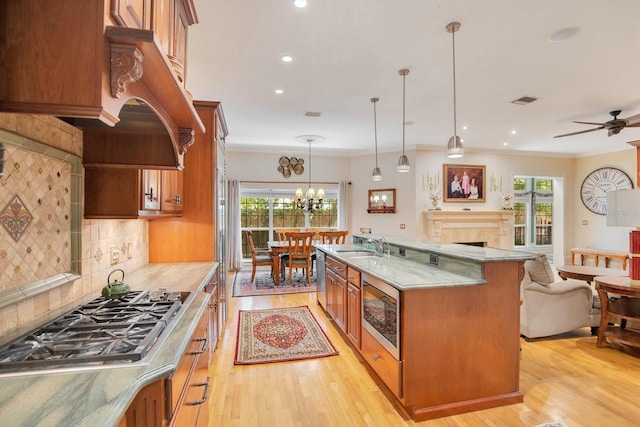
x=587, y=272
x=278, y=248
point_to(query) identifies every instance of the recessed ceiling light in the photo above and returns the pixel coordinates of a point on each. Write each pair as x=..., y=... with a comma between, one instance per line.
x=279, y=91
x=513, y=132
x=564, y=34
x=287, y=58
x=300, y=3
x=465, y=127
x=505, y=143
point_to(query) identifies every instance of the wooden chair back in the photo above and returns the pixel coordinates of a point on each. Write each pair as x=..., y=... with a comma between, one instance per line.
x=316, y=232
x=300, y=251
x=280, y=233
x=259, y=257
x=334, y=237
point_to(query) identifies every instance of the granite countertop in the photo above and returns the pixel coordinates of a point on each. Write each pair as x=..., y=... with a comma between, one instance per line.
x=401, y=273
x=99, y=395
x=454, y=250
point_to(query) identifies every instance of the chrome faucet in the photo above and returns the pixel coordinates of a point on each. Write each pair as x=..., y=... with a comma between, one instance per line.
x=379, y=245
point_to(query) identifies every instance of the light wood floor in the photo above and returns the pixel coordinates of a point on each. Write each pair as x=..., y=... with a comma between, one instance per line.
x=564, y=379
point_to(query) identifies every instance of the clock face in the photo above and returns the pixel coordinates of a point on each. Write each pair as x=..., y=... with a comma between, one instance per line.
x=597, y=183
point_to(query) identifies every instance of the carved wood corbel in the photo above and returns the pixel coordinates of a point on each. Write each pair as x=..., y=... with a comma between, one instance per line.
x=126, y=67
x=187, y=137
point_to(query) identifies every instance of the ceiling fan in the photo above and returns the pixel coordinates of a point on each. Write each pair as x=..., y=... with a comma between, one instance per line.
x=612, y=126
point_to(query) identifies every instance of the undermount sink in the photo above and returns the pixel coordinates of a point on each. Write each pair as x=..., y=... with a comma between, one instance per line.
x=354, y=251
x=366, y=257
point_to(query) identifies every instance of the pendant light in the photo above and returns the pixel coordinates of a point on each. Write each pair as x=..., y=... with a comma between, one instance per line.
x=377, y=174
x=403, y=162
x=455, y=148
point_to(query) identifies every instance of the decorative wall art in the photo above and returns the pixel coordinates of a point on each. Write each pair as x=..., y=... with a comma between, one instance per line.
x=382, y=201
x=287, y=166
x=463, y=183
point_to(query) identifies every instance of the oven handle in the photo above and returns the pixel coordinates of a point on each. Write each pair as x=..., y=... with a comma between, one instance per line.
x=202, y=348
x=204, y=395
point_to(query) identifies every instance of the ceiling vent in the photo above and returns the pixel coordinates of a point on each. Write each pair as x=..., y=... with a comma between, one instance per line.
x=524, y=100
x=312, y=114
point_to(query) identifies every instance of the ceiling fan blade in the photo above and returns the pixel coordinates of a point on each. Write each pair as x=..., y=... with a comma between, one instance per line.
x=634, y=125
x=577, y=133
x=590, y=123
x=633, y=120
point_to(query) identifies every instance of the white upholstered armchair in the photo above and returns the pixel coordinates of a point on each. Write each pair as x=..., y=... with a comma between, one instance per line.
x=552, y=306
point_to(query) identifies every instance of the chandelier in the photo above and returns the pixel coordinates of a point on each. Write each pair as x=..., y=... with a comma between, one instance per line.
x=309, y=204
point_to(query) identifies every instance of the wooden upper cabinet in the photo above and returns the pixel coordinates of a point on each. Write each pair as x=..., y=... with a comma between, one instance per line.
x=132, y=13
x=151, y=190
x=97, y=57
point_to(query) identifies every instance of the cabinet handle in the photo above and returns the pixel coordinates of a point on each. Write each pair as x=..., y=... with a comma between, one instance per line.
x=203, y=346
x=177, y=200
x=150, y=194
x=375, y=357
x=204, y=395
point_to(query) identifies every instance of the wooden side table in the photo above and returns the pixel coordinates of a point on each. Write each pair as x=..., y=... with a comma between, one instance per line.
x=627, y=307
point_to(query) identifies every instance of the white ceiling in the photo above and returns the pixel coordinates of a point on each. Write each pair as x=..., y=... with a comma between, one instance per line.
x=348, y=51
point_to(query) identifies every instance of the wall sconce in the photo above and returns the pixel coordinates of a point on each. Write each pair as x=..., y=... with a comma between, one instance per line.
x=431, y=182
x=495, y=184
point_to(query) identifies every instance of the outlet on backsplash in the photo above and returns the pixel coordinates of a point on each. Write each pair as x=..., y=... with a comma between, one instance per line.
x=129, y=251
x=115, y=255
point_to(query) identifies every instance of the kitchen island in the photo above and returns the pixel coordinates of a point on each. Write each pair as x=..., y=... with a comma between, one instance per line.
x=99, y=395
x=439, y=323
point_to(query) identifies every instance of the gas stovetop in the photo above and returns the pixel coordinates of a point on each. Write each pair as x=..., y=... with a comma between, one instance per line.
x=99, y=332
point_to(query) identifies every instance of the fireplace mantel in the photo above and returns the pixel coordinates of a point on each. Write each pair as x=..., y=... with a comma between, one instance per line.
x=494, y=228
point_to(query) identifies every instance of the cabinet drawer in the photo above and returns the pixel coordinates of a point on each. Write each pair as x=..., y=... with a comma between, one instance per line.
x=383, y=363
x=177, y=383
x=336, y=266
x=353, y=276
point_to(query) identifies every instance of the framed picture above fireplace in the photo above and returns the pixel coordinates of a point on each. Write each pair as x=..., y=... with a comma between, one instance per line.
x=463, y=183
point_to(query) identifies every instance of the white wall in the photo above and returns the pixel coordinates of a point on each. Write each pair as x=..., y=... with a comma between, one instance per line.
x=596, y=233
x=412, y=199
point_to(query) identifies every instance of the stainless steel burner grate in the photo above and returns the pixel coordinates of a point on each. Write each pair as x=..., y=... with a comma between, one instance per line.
x=100, y=331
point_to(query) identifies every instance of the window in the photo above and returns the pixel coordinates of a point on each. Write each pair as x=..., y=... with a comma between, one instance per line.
x=533, y=216
x=262, y=211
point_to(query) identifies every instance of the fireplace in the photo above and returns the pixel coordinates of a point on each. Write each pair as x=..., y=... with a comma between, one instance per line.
x=491, y=228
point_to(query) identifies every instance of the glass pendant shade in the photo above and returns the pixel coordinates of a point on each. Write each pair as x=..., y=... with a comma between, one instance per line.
x=455, y=148
x=403, y=164
x=377, y=174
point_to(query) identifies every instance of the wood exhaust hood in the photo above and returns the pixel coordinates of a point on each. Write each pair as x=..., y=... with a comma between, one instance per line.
x=124, y=86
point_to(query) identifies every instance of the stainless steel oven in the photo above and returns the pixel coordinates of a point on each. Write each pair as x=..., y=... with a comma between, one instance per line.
x=381, y=313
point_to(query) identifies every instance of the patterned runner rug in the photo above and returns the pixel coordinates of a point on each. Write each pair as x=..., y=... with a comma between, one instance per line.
x=263, y=284
x=278, y=335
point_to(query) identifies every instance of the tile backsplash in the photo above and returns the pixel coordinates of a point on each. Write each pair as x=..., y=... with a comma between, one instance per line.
x=51, y=258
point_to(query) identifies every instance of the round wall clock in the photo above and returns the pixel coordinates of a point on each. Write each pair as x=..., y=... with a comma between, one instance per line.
x=597, y=183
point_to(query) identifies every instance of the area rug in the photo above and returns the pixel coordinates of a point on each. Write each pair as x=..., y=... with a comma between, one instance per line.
x=278, y=335
x=263, y=284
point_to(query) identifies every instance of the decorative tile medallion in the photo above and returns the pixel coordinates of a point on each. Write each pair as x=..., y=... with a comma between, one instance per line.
x=15, y=218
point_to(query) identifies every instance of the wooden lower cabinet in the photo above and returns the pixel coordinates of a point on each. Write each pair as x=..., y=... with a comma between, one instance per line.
x=188, y=387
x=147, y=409
x=354, y=307
x=459, y=345
x=336, y=290
x=182, y=399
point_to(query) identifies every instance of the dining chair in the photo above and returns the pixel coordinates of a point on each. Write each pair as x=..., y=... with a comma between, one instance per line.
x=338, y=237
x=280, y=232
x=329, y=237
x=299, y=256
x=258, y=256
